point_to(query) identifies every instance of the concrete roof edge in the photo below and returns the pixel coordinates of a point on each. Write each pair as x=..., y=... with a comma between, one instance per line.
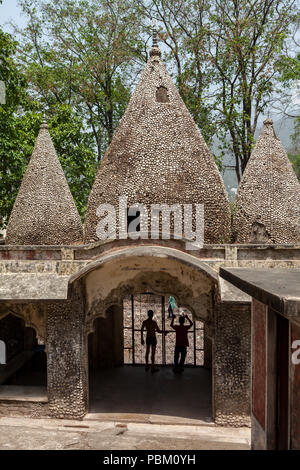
x=289, y=306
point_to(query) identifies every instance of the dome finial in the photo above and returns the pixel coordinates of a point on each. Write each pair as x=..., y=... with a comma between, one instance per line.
x=154, y=36
x=155, y=49
x=44, y=124
x=268, y=121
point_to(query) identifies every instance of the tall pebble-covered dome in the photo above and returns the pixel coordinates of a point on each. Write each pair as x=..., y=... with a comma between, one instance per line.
x=158, y=155
x=44, y=212
x=268, y=197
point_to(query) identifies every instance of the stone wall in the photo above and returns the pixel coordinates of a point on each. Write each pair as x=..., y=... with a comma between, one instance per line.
x=232, y=364
x=158, y=156
x=267, y=205
x=44, y=211
x=67, y=358
x=27, y=409
x=66, y=341
x=259, y=371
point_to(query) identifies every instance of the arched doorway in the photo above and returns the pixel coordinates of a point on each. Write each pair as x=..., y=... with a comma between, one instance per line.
x=121, y=388
x=23, y=376
x=106, y=283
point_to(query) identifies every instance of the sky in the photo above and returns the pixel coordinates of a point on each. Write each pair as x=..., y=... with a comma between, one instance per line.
x=10, y=11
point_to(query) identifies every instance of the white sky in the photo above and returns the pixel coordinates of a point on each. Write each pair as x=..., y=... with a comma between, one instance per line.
x=10, y=11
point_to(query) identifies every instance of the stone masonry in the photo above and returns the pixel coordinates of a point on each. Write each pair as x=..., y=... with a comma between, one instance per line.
x=44, y=212
x=61, y=283
x=157, y=156
x=268, y=198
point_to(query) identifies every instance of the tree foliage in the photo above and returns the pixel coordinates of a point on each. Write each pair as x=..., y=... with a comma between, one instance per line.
x=79, y=60
x=12, y=125
x=227, y=55
x=289, y=68
x=20, y=119
x=83, y=53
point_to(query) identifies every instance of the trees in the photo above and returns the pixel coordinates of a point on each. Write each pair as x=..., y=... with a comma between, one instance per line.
x=247, y=39
x=80, y=60
x=20, y=119
x=183, y=29
x=294, y=153
x=289, y=102
x=84, y=54
x=225, y=55
x=75, y=149
x=231, y=51
x=12, y=161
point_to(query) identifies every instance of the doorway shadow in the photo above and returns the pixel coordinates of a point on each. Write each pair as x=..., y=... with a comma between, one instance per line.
x=129, y=390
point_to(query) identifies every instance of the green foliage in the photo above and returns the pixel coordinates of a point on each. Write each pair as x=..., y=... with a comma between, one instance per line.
x=294, y=154
x=289, y=68
x=225, y=56
x=247, y=39
x=79, y=60
x=74, y=145
x=81, y=53
x=295, y=159
x=20, y=119
x=12, y=125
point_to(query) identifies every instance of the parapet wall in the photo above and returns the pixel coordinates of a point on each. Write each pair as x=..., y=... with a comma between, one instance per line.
x=67, y=260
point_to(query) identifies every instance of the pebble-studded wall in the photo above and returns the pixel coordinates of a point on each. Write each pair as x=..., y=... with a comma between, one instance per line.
x=67, y=358
x=268, y=198
x=157, y=156
x=44, y=212
x=232, y=364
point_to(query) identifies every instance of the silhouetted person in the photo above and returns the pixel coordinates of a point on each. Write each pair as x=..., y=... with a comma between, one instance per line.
x=151, y=341
x=182, y=341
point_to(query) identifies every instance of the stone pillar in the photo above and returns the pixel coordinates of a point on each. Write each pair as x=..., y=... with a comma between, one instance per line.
x=232, y=364
x=67, y=364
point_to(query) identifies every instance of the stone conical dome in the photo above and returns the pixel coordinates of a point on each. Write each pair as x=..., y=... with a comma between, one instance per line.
x=268, y=197
x=158, y=155
x=44, y=212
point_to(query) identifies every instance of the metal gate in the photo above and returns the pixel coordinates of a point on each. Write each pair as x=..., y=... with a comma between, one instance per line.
x=135, y=312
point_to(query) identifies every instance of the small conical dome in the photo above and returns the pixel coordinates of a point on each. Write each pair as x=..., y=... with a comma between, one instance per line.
x=44, y=212
x=158, y=156
x=268, y=197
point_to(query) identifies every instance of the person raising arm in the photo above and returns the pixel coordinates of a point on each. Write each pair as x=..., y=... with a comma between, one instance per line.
x=182, y=341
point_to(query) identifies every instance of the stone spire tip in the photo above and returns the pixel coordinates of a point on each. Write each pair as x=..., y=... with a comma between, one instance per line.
x=268, y=122
x=155, y=50
x=44, y=124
